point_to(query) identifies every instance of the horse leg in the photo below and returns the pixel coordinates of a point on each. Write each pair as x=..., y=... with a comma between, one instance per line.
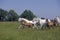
x=48, y=26
x=41, y=26
x=34, y=26
x=52, y=26
x=19, y=27
x=30, y=26
x=44, y=26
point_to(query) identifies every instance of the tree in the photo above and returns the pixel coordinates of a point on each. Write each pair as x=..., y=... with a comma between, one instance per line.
x=3, y=13
x=12, y=15
x=28, y=15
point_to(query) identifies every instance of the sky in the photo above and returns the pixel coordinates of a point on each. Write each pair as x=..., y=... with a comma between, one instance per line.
x=41, y=8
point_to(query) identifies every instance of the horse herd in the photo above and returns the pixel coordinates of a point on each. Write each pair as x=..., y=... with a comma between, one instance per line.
x=38, y=23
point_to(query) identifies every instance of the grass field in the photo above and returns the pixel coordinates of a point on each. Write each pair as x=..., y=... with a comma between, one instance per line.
x=8, y=31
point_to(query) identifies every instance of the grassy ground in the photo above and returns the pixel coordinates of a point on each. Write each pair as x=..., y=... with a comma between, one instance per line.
x=8, y=31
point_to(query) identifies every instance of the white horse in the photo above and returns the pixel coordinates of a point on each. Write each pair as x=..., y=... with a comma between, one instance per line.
x=42, y=22
x=57, y=20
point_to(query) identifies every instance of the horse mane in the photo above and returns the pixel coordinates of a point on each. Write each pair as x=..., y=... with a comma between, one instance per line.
x=43, y=18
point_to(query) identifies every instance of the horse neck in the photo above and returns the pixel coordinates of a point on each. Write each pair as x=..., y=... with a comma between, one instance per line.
x=49, y=20
x=35, y=20
x=58, y=19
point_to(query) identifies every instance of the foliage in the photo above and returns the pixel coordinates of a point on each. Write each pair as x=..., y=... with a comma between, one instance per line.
x=28, y=15
x=13, y=16
x=3, y=14
x=8, y=16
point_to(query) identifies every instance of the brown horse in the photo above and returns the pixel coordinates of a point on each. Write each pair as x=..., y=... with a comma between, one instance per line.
x=50, y=24
x=25, y=23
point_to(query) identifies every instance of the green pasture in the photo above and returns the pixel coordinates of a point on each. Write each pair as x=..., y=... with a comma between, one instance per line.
x=8, y=31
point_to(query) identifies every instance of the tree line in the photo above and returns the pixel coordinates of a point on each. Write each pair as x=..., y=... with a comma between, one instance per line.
x=11, y=15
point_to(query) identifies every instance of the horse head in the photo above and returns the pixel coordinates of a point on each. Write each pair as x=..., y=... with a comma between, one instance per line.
x=19, y=19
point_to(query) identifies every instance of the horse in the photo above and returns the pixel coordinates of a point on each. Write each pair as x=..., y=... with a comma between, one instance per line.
x=25, y=22
x=50, y=23
x=41, y=21
x=57, y=20
x=28, y=23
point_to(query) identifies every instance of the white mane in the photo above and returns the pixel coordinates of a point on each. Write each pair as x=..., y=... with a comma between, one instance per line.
x=20, y=19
